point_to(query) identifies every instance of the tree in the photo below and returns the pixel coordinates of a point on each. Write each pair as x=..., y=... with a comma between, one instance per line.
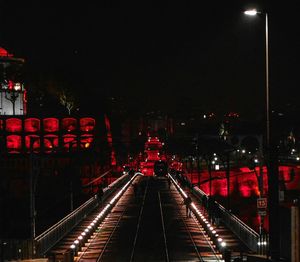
x=67, y=100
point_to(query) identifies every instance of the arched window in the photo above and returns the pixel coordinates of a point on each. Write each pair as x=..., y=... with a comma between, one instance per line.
x=32, y=125
x=69, y=124
x=51, y=124
x=14, y=125
x=87, y=124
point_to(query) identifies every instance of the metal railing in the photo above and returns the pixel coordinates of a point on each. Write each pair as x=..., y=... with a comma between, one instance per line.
x=245, y=233
x=51, y=236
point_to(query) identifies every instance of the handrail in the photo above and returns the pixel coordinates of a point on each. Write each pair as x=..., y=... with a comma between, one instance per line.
x=55, y=233
x=245, y=233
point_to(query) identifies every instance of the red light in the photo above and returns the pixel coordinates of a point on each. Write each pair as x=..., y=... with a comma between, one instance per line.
x=10, y=85
x=13, y=143
x=50, y=143
x=87, y=124
x=69, y=141
x=32, y=142
x=86, y=140
x=51, y=124
x=32, y=125
x=69, y=124
x=13, y=125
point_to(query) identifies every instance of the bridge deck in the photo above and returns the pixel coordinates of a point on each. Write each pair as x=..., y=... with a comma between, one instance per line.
x=150, y=225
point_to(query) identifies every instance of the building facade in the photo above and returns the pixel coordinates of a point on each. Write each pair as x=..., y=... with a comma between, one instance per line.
x=12, y=91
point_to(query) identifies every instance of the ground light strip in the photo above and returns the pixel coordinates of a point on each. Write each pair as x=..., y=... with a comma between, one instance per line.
x=82, y=238
x=221, y=244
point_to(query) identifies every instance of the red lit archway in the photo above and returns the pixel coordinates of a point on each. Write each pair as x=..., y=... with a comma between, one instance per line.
x=14, y=125
x=69, y=141
x=87, y=124
x=50, y=143
x=33, y=142
x=86, y=141
x=51, y=125
x=32, y=125
x=69, y=124
x=14, y=143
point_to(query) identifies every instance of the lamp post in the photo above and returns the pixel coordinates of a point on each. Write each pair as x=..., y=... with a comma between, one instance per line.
x=271, y=157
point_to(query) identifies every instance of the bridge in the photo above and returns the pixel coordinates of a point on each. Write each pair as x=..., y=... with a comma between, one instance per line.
x=142, y=218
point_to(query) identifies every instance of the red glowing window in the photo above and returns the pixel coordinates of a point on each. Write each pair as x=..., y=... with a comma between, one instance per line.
x=1, y=124
x=32, y=125
x=33, y=142
x=69, y=141
x=50, y=143
x=87, y=124
x=69, y=124
x=13, y=125
x=51, y=124
x=14, y=143
x=86, y=141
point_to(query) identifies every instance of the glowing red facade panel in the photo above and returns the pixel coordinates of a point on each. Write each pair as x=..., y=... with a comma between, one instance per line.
x=51, y=125
x=1, y=124
x=87, y=124
x=69, y=124
x=50, y=143
x=33, y=142
x=13, y=125
x=86, y=141
x=69, y=141
x=32, y=125
x=14, y=143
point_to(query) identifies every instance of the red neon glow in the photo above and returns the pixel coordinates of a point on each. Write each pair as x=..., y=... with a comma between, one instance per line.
x=87, y=124
x=33, y=142
x=13, y=125
x=14, y=143
x=86, y=141
x=32, y=125
x=10, y=85
x=69, y=124
x=113, y=159
x=50, y=143
x=25, y=102
x=1, y=124
x=3, y=53
x=152, y=151
x=51, y=124
x=69, y=141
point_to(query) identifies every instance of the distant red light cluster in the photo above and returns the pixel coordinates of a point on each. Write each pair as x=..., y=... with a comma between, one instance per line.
x=233, y=115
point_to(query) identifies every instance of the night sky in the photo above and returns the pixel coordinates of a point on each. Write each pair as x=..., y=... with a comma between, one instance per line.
x=207, y=56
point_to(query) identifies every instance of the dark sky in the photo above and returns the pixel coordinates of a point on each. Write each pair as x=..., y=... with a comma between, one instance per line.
x=207, y=55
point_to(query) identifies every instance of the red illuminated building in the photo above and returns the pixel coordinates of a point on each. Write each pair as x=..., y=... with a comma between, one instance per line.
x=47, y=135
x=153, y=152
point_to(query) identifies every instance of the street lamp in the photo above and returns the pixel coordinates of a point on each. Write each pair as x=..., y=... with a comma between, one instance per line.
x=254, y=12
x=272, y=165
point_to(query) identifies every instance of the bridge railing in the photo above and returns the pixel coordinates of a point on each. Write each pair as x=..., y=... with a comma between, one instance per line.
x=246, y=234
x=51, y=236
